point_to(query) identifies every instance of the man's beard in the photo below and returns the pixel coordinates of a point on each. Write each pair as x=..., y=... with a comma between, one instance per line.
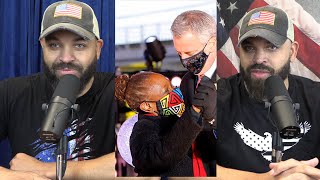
x=255, y=86
x=85, y=75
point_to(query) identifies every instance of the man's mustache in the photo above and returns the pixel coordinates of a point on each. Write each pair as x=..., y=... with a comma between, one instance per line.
x=59, y=66
x=261, y=66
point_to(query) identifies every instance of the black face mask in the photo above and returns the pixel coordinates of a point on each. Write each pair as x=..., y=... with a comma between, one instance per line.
x=195, y=63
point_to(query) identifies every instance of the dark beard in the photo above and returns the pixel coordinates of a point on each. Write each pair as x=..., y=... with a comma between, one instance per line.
x=85, y=76
x=255, y=87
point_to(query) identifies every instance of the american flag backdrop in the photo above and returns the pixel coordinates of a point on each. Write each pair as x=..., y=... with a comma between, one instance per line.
x=307, y=34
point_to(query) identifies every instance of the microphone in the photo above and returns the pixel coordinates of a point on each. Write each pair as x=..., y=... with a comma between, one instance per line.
x=282, y=110
x=60, y=108
x=62, y=150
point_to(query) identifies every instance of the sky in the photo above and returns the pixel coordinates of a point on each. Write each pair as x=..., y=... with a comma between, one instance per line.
x=138, y=19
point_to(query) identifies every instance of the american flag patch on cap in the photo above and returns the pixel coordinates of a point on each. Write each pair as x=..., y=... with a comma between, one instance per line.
x=262, y=17
x=71, y=10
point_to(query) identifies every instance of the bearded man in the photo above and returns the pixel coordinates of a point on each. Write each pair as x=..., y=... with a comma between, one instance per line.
x=267, y=46
x=71, y=44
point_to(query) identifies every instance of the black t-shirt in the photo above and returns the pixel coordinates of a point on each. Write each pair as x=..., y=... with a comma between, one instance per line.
x=90, y=133
x=245, y=131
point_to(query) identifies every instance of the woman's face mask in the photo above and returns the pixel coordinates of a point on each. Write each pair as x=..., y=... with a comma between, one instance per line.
x=195, y=63
x=171, y=104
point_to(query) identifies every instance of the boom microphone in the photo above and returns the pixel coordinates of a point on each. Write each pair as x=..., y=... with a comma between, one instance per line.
x=60, y=108
x=283, y=113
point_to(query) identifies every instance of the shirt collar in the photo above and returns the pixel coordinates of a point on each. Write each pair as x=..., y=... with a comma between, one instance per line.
x=212, y=69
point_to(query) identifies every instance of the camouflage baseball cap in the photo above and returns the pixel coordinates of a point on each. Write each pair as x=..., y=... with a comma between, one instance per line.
x=268, y=22
x=70, y=15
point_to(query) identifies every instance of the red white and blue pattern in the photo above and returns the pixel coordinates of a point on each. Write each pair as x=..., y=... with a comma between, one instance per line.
x=71, y=10
x=262, y=17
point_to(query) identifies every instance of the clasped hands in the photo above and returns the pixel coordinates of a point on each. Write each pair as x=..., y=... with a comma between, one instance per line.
x=293, y=169
x=205, y=99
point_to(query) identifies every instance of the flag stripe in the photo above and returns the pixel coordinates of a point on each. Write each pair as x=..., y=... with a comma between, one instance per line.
x=231, y=54
x=307, y=51
x=257, y=3
x=299, y=69
x=224, y=67
x=234, y=33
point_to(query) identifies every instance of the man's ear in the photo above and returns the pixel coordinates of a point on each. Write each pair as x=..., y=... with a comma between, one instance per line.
x=42, y=42
x=99, y=47
x=146, y=107
x=212, y=45
x=294, y=50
